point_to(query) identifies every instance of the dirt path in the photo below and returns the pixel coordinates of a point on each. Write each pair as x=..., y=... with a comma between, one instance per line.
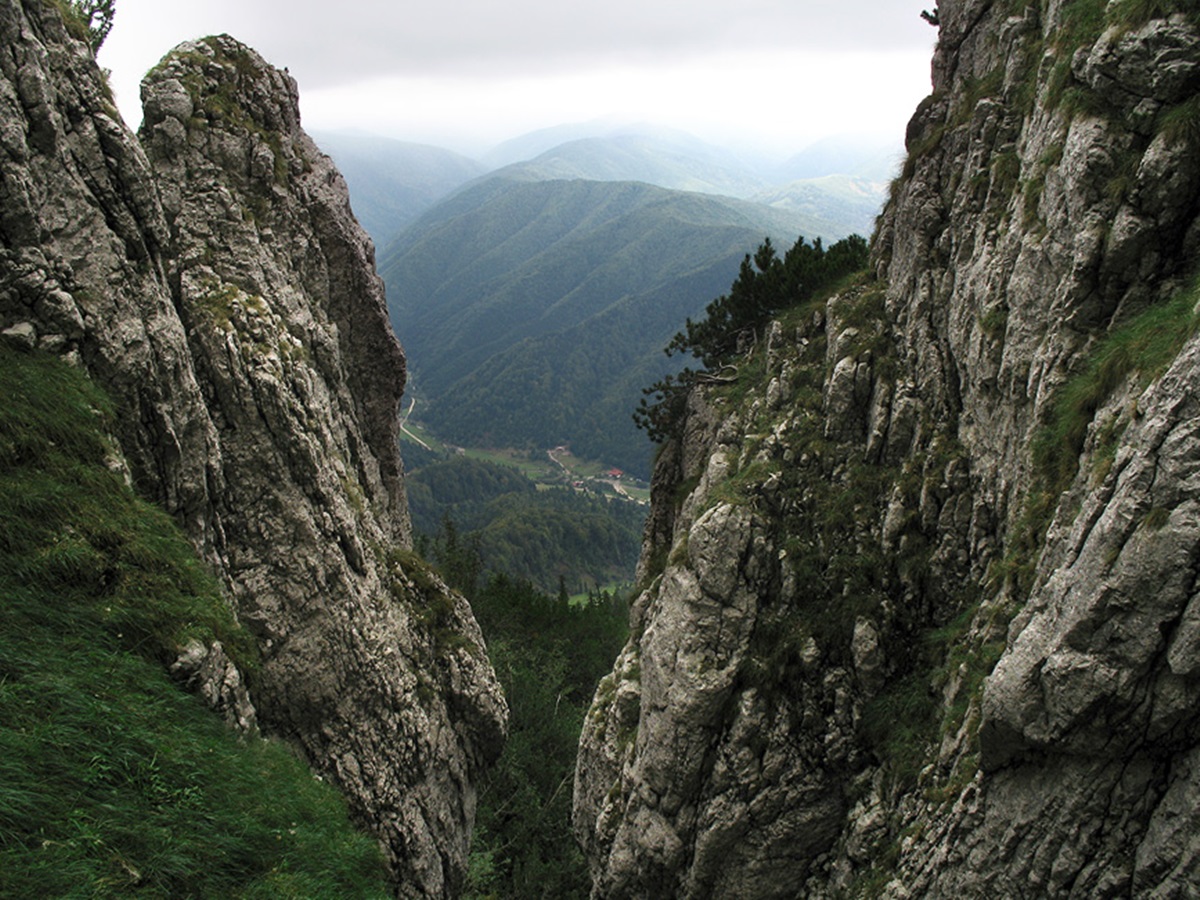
x=412, y=404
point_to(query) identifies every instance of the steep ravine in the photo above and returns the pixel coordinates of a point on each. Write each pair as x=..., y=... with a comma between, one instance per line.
x=919, y=612
x=213, y=280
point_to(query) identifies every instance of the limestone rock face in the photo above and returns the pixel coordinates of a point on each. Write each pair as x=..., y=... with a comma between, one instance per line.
x=919, y=594
x=82, y=255
x=725, y=754
x=213, y=279
x=383, y=681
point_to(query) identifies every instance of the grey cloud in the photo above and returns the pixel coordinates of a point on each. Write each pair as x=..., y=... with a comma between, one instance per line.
x=476, y=37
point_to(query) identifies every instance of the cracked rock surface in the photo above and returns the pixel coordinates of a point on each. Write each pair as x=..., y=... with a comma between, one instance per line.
x=212, y=278
x=918, y=610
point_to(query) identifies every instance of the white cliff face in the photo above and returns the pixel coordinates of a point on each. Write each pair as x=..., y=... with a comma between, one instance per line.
x=982, y=464
x=214, y=281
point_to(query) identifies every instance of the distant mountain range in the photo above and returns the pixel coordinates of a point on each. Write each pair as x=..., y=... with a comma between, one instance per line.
x=863, y=156
x=831, y=206
x=664, y=158
x=838, y=182
x=828, y=203
x=392, y=182
x=526, y=307
x=533, y=301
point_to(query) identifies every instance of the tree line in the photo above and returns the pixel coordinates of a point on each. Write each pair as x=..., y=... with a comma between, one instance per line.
x=766, y=285
x=539, y=536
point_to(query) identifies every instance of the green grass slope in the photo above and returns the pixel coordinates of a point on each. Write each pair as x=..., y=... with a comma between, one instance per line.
x=113, y=781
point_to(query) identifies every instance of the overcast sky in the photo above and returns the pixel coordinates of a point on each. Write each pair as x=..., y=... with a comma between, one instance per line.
x=467, y=74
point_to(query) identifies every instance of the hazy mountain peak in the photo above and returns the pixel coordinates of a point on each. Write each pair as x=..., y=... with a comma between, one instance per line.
x=392, y=181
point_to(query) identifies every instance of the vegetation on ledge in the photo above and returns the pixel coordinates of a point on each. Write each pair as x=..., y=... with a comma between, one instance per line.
x=766, y=286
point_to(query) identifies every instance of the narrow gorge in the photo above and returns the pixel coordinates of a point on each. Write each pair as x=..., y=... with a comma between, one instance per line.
x=917, y=609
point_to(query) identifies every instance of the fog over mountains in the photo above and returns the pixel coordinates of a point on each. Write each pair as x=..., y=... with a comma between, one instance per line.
x=393, y=182
x=534, y=290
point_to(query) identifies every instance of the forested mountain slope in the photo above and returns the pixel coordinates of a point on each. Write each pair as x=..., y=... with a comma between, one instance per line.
x=534, y=306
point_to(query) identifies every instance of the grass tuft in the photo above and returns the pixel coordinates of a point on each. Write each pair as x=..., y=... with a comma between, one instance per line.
x=1181, y=123
x=1146, y=345
x=1143, y=348
x=113, y=781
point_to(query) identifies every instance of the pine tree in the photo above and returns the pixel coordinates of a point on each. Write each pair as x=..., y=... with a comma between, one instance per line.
x=765, y=286
x=97, y=17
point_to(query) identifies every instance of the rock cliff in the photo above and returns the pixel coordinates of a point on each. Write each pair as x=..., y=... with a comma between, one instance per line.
x=918, y=614
x=212, y=278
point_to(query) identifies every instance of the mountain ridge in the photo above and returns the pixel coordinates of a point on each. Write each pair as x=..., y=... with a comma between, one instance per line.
x=507, y=283
x=393, y=182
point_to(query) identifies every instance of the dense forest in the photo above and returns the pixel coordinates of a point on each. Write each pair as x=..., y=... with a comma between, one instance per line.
x=549, y=653
x=578, y=384
x=548, y=537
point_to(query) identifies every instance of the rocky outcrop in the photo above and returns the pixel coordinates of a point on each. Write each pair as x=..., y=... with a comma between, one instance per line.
x=741, y=725
x=917, y=616
x=213, y=279
x=83, y=265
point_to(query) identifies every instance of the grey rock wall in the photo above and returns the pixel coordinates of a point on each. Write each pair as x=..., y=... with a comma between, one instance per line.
x=917, y=604
x=83, y=266
x=384, y=682
x=213, y=279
